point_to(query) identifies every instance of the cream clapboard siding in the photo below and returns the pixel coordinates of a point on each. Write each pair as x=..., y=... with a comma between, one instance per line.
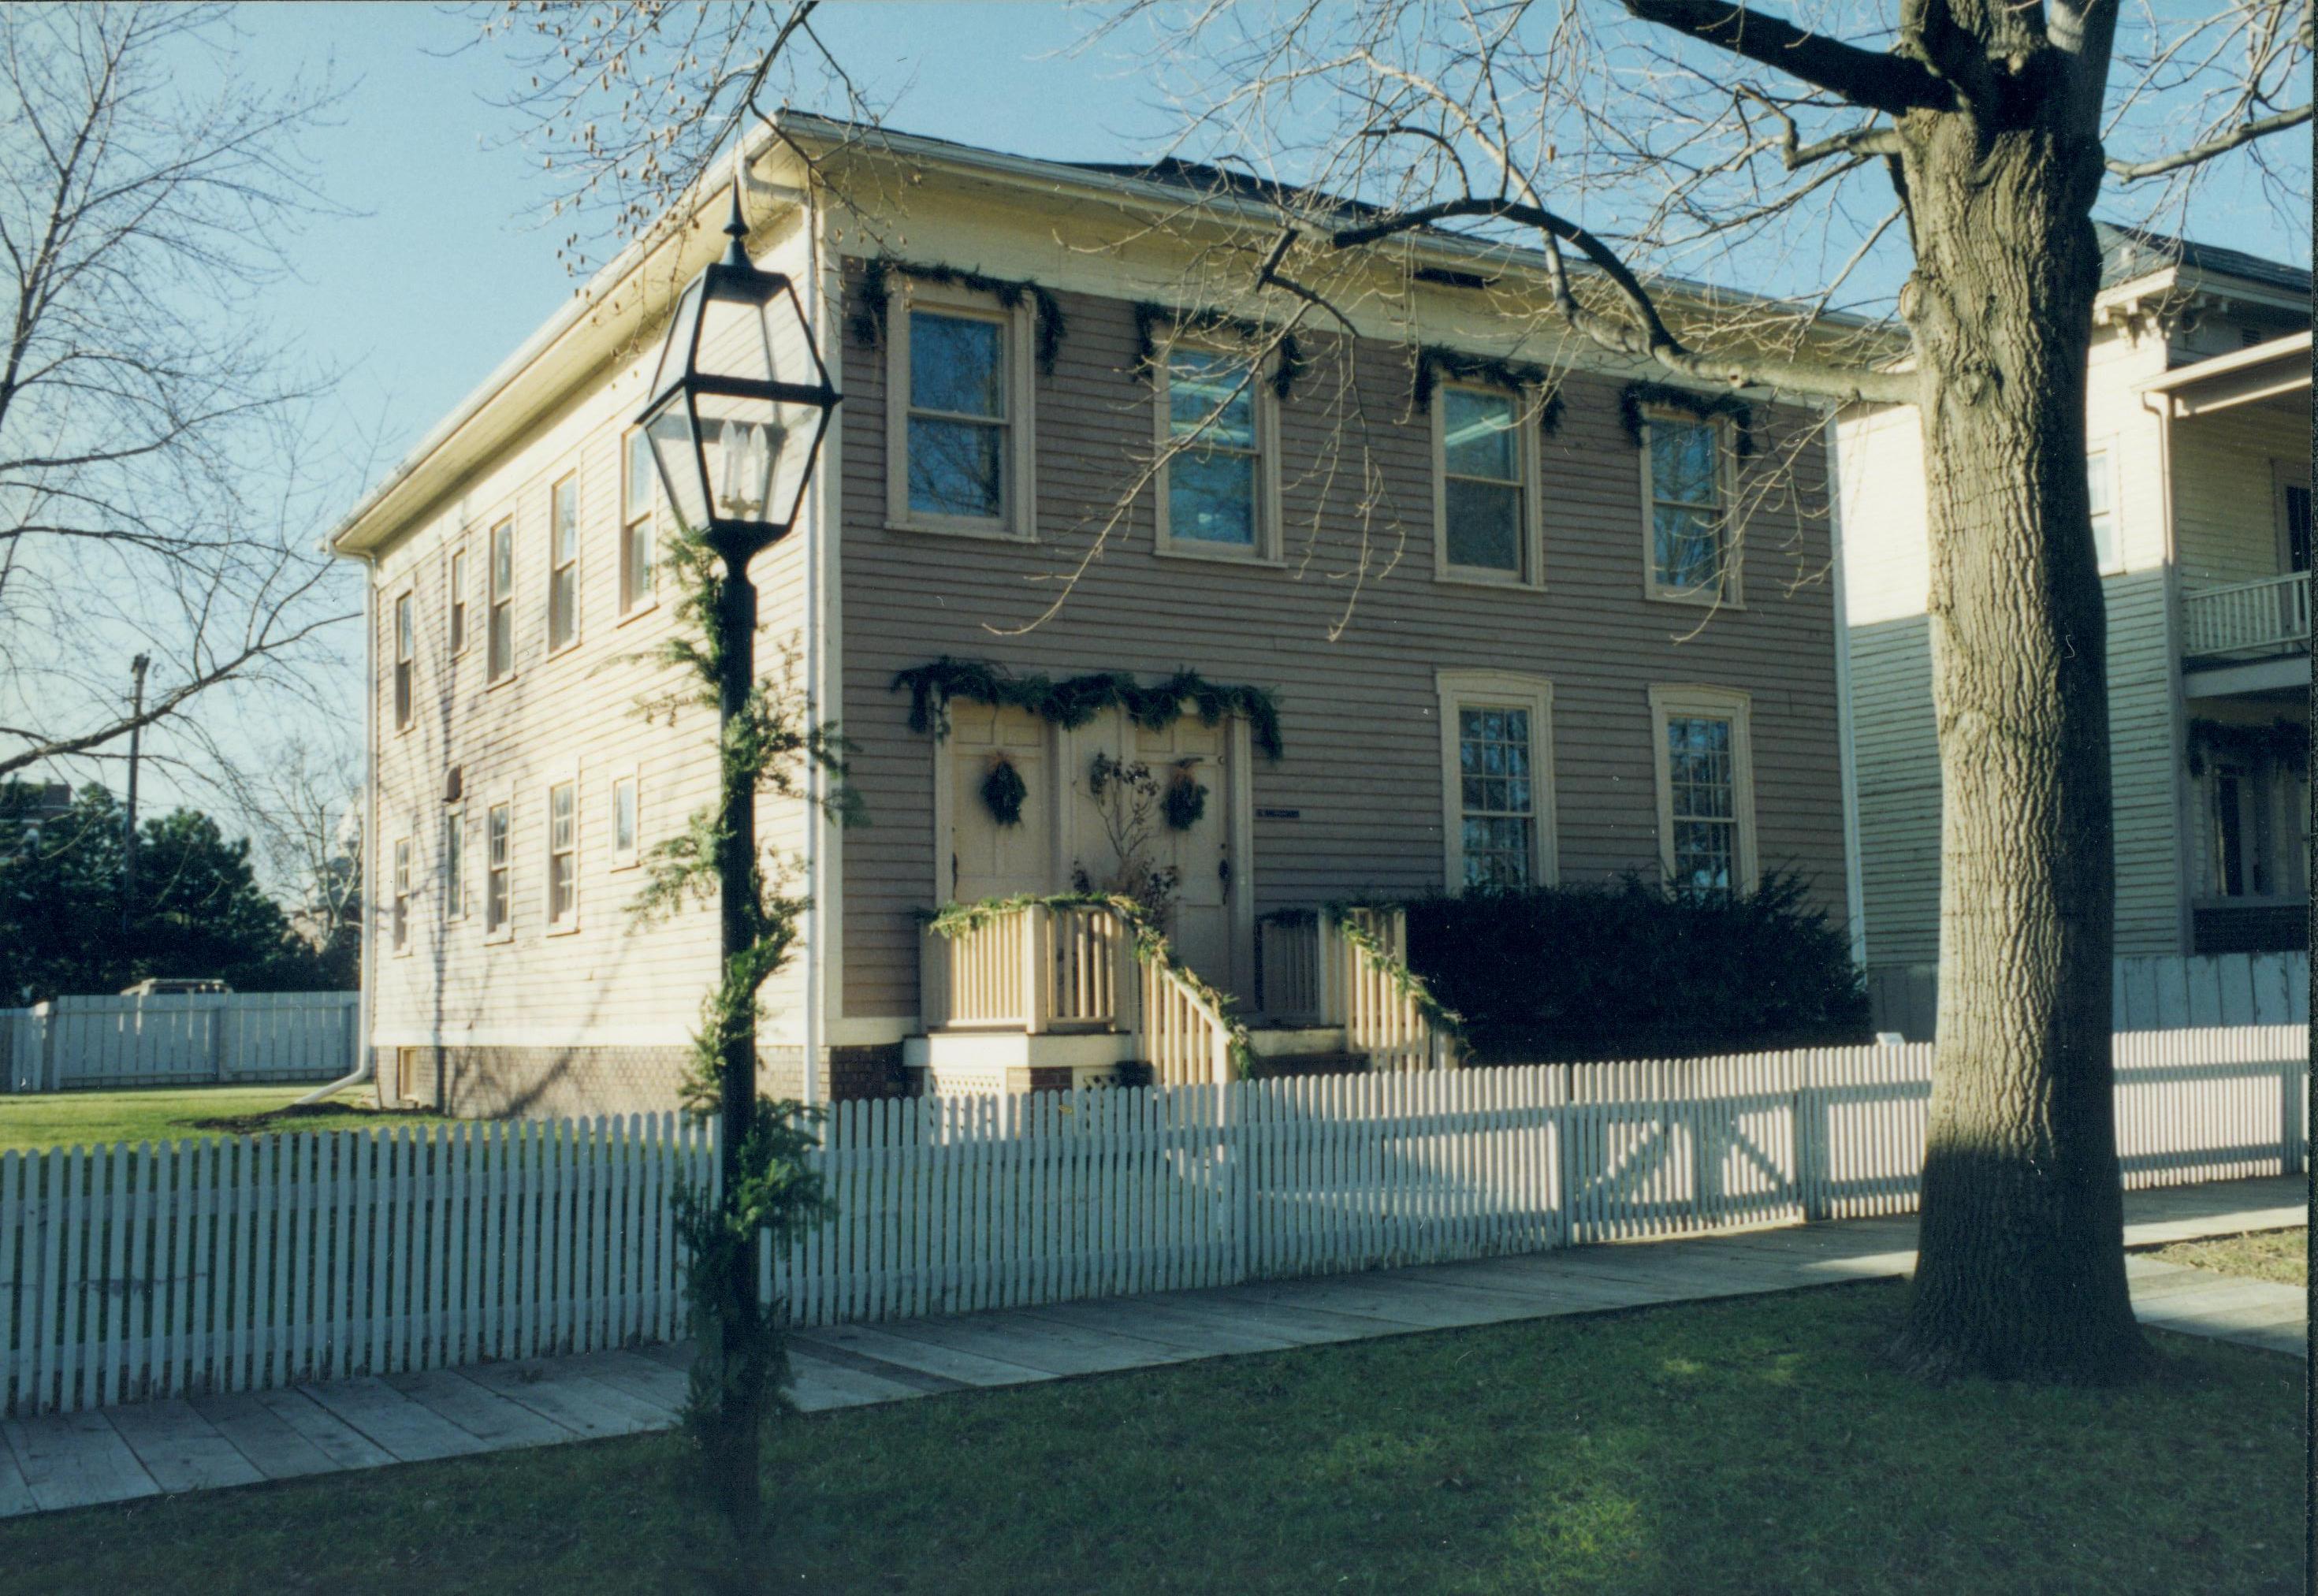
x=1358, y=714
x=2226, y=467
x=1887, y=579
x=574, y=715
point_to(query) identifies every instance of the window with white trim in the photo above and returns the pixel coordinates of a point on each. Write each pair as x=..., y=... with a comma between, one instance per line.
x=1483, y=504
x=626, y=822
x=402, y=913
x=1706, y=797
x=563, y=857
x=958, y=415
x=454, y=864
x=458, y=615
x=1216, y=492
x=1496, y=746
x=639, y=521
x=406, y=662
x=498, y=887
x=2100, y=498
x=501, y=644
x=1684, y=466
x=564, y=563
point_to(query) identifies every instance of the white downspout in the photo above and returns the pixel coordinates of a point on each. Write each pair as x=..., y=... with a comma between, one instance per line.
x=362, y=1056
x=1854, y=900
x=816, y=959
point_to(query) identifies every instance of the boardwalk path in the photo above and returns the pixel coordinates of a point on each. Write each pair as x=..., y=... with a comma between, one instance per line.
x=111, y=1455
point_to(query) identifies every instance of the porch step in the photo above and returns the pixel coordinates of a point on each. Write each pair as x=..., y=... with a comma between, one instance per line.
x=1271, y=1066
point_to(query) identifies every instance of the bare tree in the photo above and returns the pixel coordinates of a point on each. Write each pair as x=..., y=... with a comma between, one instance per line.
x=158, y=469
x=303, y=804
x=1626, y=143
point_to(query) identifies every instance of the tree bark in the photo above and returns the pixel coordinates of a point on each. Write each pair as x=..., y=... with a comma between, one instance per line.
x=2021, y=1269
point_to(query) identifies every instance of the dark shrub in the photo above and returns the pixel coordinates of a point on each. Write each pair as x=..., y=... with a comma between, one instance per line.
x=1634, y=971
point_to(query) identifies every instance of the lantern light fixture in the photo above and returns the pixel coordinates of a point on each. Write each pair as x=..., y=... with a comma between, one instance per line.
x=740, y=401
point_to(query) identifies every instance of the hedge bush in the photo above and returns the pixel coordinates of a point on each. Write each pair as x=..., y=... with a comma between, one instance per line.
x=1632, y=970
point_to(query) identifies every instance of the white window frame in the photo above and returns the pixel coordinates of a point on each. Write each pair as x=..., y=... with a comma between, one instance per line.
x=1267, y=548
x=2104, y=450
x=565, y=925
x=1531, y=574
x=556, y=566
x=1498, y=690
x=1732, y=595
x=495, y=599
x=1685, y=701
x=398, y=908
x=1017, y=521
x=458, y=609
x=403, y=686
x=634, y=601
x=626, y=858
x=505, y=931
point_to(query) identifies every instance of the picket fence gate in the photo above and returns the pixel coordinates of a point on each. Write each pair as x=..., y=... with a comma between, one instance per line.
x=134, y=1272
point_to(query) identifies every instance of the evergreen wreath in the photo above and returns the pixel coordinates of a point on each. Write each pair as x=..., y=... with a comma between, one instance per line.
x=1186, y=800
x=1002, y=792
x=868, y=322
x=1149, y=314
x=1434, y=362
x=1705, y=407
x=1076, y=700
x=2280, y=742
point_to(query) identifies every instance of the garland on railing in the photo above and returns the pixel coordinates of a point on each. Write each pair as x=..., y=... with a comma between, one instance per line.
x=1432, y=362
x=1077, y=700
x=1149, y=943
x=1404, y=981
x=1150, y=314
x=2280, y=743
x=868, y=322
x=1705, y=407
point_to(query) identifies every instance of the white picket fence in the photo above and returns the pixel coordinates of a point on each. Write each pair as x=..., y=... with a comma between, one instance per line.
x=2149, y=993
x=137, y=1272
x=77, y=1043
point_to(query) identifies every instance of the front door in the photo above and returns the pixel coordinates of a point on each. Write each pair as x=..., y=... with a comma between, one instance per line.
x=1001, y=826
x=1185, y=757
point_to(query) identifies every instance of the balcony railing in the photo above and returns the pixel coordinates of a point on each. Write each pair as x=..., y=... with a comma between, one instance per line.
x=2247, y=620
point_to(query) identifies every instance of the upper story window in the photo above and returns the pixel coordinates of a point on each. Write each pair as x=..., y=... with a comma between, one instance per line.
x=959, y=417
x=406, y=658
x=458, y=617
x=1496, y=746
x=1218, y=491
x=1484, y=505
x=500, y=646
x=1686, y=497
x=563, y=564
x=2100, y=497
x=639, y=501
x=1706, y=797
x=563, y=857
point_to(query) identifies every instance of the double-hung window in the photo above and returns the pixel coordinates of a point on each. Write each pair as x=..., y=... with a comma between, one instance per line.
x=401, y=920
x=563, y=857
x=1705, y=781
x=638, y=496
x=454, y=864
x=406, y=662
x=1688, y=518
x=1482, y=504
x=2100, y=499
x=959, y=414
x=500, y=645
x=564, y=563
x=458, y=618
x=1496, y=746
x=498, y=900
x=1215, y=490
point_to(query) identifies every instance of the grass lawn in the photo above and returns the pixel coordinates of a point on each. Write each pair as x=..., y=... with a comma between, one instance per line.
x=1749, y=1445
x=2279, y=1255
x=85, y=1118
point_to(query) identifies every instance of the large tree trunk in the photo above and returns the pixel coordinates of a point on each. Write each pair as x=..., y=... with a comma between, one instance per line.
x=2021, y=1272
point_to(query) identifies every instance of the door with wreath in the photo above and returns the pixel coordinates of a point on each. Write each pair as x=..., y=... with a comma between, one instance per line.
x=1001, y=820
x=1191, y=764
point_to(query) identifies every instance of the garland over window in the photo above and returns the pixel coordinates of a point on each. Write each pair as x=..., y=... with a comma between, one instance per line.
x=1434, y=362
x=1078, y=699
x=2281, y=742
x=868, y=323
x=1149, y=314
x=1706, y=407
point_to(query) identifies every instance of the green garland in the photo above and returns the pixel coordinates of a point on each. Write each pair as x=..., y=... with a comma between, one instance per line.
x=1404, y=981
x=952, y=921
x=1078, y=699
x=1434, y=362
x=1705, y=407
x=868, y=322
x=2280, y=742
x=1150, y=314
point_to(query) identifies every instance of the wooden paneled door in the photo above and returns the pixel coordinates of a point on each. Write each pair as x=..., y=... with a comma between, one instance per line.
x=1202, y=923
x=987, y=858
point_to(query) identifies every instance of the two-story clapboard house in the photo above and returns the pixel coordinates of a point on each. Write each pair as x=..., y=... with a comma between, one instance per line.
x=1464, y=606
x=2198, y=436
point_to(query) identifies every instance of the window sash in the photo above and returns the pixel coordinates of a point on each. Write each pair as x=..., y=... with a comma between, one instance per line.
x=564, y=567
x=458, y=601
x=454, y=865
x=563, y=855
x=955, y=464
x=2099, y=502
x=623, y=818
x=1702, y=801
x=500, y=642
x=1215, y=480
x=1498, y=789
x=404, y=647
x=401, y=894
x=1686, y=527
x=495, y=888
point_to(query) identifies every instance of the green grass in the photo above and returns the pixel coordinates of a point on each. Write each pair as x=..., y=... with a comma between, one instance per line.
x=87, y=1119
x=1751, y=1445
x=2279, y=1255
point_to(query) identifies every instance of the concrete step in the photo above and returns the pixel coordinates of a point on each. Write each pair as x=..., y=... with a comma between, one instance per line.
x=1271, y=1066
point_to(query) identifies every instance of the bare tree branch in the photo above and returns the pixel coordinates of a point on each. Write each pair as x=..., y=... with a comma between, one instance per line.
x=2244, y=133
x=1892, y=85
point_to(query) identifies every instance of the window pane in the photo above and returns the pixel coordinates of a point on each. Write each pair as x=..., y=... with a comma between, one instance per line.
x=1702, y=856
x=502, y=641
x=1477, y=435
x=953, y=468
x=637, y=547
x=402, y=628
x=1211, y=497
x=623, y=817
x=956, y=364
x=1484, y=525
x=566, y=519
x=1682, y=461
x=1493, y=758
x=502, y=558
x=636, y=501
x=559, y=809
x=1689, y=548
x=1200, y=385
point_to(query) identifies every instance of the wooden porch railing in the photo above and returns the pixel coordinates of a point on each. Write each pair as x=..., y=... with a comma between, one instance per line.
x=2272, y=616
x=1033, y=967
x=1182, y=1036
x=1377, y=996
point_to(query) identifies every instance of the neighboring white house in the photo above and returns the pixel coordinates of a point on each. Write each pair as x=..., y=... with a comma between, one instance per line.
x=2198, y=435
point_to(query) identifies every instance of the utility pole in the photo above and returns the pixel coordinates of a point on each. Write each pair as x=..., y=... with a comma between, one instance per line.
x=137, y=668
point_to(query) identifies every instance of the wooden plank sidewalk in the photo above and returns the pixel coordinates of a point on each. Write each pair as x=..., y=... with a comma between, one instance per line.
x=59, y=1461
